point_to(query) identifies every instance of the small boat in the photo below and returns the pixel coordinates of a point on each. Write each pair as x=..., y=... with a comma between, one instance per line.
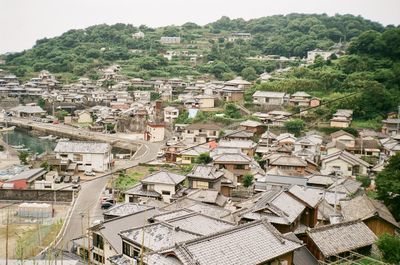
x=48, y=137
x=63, y=140
x=23, y=149
x=7, y=129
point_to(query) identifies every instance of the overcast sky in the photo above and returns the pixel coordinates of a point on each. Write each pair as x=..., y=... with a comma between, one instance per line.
x=22, y=22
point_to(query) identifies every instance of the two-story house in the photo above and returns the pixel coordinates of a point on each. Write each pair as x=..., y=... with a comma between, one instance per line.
x=161, y=185
x=308, y=147
x=155, y=132
x=345, y=163
x=237, y=163
x=270, y=98
x=85, y=155
x=200, y=132
x=170, y=114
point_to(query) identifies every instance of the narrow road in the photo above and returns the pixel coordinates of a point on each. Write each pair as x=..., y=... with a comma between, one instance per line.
x=88, y=201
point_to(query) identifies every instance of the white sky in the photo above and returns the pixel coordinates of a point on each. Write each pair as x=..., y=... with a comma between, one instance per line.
x=22, y=22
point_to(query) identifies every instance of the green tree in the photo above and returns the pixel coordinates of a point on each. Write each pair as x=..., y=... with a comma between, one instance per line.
x=294, y=126
x=365, y=181
x=231, y=111
x=23, y=157
x=249, y=73
x=247, y=180
x=42, y=103
x=390, y=248
x=388, y=185
x=204, y=159
x=154, y=96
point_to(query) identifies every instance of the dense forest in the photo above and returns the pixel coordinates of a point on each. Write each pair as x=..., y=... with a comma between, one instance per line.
x=82, y=52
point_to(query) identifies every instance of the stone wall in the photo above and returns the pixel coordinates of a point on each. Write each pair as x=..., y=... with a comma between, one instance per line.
x=36, y=195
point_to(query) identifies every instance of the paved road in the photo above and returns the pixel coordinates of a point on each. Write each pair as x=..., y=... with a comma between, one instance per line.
x=88, y=201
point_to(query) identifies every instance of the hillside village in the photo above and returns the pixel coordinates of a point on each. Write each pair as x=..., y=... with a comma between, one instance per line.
x=189, y=169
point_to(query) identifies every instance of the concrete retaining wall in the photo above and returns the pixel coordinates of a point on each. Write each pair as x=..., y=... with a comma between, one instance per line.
x=36, y=195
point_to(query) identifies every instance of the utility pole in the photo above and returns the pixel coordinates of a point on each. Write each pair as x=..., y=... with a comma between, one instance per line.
x=8, y=221
x=336, y=180
x=88, y=232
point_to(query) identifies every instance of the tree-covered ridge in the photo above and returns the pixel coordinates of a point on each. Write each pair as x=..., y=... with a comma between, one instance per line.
x=371, y=69
x=82, y=52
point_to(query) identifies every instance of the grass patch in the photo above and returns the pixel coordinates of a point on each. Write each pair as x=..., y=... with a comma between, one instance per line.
x=31, y=242
x=372, y=194
x=369, y=124
x=127, y=180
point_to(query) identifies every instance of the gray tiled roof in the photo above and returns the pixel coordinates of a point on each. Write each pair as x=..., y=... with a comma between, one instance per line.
x=109, y=229
x=138, y=190
x=158, y=259
x=126, y=208
x=346, y=156
x=312, y=199
x=232, y=158
x=208, y=172
x=345, y=185
x=28, y=109
x=200, y=223
x=172, y=214
x=28, y=174
x=197, y=206
x=341, y=237
x=275, y=205
x=363, y=208
x=288, y=161
x=244, y=144
x=251, y=123
x=269, y=94
x=204, y=195
x=252, y=243
x=164, y=177
x=82, y=147
x=158, y=235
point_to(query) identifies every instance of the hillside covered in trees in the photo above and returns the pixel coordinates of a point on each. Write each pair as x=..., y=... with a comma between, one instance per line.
x=81, y=52
x=369, y=70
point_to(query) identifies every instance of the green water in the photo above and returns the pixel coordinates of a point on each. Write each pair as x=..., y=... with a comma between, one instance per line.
x=24, y=137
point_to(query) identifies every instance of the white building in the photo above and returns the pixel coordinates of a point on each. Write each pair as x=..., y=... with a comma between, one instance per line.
x=270, y=98
x=155, y=132
x=161, y=185
x=345, y=163
x=170, y=114
x=86, y=155
x=170, y=40
x=138, y=35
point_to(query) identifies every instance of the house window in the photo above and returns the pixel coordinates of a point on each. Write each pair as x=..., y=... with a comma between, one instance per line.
x=148, y=187
x=165, y=192
x=98, y=241
x=63, y=156
x=127, y=249
x=200, y=185
x=349, y=168
x=98, y=258
x=239, y=166
x=77, y=157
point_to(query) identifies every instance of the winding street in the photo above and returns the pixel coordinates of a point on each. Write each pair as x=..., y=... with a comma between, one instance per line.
x=88, y=200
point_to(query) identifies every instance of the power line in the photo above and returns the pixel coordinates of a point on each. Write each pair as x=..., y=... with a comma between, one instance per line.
x=188, y=148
